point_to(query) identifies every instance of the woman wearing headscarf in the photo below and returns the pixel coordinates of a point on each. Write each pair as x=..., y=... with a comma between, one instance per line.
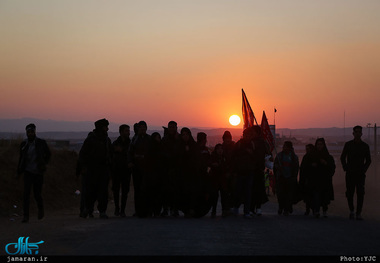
x=322, y=185
x=286, y=166
x=307, y=169
x=153, y=182
x=244, y=164
x=218, y=180
x=189, y=162
x=228, y=151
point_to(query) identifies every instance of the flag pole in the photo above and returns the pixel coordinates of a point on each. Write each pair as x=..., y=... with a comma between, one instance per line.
x=274, y=123
x=275, y=143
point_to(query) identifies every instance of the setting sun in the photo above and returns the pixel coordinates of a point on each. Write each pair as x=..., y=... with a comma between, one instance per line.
x=235, y=120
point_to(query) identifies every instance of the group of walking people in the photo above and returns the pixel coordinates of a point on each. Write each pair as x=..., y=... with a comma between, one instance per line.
x=315, y=185
x=172, y=173
x=176, y=173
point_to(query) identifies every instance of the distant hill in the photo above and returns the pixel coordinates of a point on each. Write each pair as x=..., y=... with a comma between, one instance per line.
x=18, y=125
x=70, y=130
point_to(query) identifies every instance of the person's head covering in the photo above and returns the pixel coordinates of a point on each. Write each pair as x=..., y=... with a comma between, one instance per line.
x=188, y=131
x=219, y=145
x=101, y=123
x=30, y=126
x=154, y=135
x=201, y=136
x=289, y=144
x=322, y=140
x=227, y=135
x=324, y=151
x=247, y=133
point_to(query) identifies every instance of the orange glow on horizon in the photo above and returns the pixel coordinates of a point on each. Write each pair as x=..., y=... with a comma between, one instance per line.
x=189, y=60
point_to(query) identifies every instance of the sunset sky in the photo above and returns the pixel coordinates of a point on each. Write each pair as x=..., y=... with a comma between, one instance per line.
x=162, y=60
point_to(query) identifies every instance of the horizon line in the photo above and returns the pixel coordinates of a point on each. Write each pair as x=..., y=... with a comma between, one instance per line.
x=154, y=127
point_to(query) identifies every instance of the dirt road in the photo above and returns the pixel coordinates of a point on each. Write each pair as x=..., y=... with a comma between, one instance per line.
x=64, y=233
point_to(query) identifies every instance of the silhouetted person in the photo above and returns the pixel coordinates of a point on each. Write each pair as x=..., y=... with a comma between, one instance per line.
x=260, y=151
x=135, y=131
x=322, y=187
x=171, y=183
x=153, y=181
x=228, y=151
x=204, y=184
x=307, y=171
x=245, y=168
x=95, y=158
x=286, y=168
x=79, y=171
x=137, y=161
x=204, y=154
x=219, y=181
x=121, y=174
x=189, y=167
x=355, y=159
x=34, y=156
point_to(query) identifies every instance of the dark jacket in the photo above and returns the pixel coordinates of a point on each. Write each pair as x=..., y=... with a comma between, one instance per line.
x=96, y=153
x=260, y=150
x=218, y=173
x=154, y=160
x=171, y=146
x=356, y=157
x=189, y=159
x=307, y=171
x=43, y=155
x=244, y=157
x=205, y=159
x=228, y=151
x=138, y=150
x=120, y=149
x=324, y=173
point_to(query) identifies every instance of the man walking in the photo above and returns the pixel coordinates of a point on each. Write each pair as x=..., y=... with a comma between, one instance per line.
x=137, y=153
x=34, y=155
x=355, y=159
x=171, y=183
x=121, y=176
x=95, y=159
